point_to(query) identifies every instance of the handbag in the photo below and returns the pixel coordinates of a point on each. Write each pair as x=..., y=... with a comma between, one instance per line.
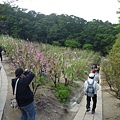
x=14, y=103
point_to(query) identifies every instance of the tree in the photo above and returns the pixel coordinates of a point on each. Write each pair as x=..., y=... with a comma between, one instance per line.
x=87, y=47
x=72, y=43
x=114, y=62
x=56, y=43
x=17, y=22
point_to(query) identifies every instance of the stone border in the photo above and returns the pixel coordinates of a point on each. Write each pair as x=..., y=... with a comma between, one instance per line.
x=3, y=89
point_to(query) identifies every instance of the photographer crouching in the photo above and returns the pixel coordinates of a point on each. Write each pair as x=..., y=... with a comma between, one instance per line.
x=24, y=95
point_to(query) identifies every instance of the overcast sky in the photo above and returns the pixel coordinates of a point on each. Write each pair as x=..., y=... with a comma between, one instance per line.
x=104, y=10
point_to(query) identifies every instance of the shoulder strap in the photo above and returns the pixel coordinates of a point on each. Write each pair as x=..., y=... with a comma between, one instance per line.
x=15, y=88
x=93, y=82
x=89, y=83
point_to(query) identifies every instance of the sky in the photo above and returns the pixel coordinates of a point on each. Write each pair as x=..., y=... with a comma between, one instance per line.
x=104, y=10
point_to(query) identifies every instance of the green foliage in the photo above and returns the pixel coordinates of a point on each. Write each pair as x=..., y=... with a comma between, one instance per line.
x=38, y=82
x=75, y=85
x=118, y=104
x=62, y=93
x=112, y=67
x=58, y=30
x=56, y=43
x=118, y=12
x=117, y=43
x=72, y=44
x=87, y=47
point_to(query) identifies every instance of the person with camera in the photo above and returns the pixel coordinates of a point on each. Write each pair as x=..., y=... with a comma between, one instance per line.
x=24, y=95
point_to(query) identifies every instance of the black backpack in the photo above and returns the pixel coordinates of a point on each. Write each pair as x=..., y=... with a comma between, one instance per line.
x=90, y=89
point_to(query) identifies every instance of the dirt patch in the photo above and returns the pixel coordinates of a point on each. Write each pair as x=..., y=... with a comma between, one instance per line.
x=111, y=105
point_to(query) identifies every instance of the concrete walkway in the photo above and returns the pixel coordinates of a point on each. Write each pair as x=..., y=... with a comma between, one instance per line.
x=80, y=109
x=3, y=89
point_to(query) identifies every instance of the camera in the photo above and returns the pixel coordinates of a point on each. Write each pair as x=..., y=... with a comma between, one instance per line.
x=26, y=72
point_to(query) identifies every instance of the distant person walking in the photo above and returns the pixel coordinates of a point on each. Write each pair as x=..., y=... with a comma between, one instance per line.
x=96, y=78
x=1, y=53
x=98, y=68
x=94, y=66
x=24, y=95
x=91, y=86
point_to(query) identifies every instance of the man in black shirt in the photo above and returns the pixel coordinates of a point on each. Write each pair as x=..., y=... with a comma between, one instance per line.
x=24, y=95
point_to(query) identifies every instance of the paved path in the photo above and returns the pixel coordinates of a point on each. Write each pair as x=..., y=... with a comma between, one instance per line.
x=80, y=109
x=3, y=89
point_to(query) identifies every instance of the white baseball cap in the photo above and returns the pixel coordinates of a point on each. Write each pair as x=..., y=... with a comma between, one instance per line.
x=92, y=75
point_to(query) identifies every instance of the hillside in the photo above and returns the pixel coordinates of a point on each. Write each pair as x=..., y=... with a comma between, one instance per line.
x=58, y=30
x=48, y=107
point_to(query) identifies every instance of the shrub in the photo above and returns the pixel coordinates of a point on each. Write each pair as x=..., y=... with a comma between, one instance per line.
x=62, y=93
x=112, y=67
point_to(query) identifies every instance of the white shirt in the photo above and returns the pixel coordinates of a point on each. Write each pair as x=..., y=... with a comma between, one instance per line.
x=95, y=85
x=96, y=78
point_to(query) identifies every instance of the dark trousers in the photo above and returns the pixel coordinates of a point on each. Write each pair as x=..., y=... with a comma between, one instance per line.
x=94, y=99
x=98, y=71
x=1, y=56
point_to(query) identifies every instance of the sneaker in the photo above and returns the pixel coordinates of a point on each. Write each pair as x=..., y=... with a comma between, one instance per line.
x=88, y=110
x=93, y=111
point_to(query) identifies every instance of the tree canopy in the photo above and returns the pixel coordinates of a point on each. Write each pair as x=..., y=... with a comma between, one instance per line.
x=62, y=30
